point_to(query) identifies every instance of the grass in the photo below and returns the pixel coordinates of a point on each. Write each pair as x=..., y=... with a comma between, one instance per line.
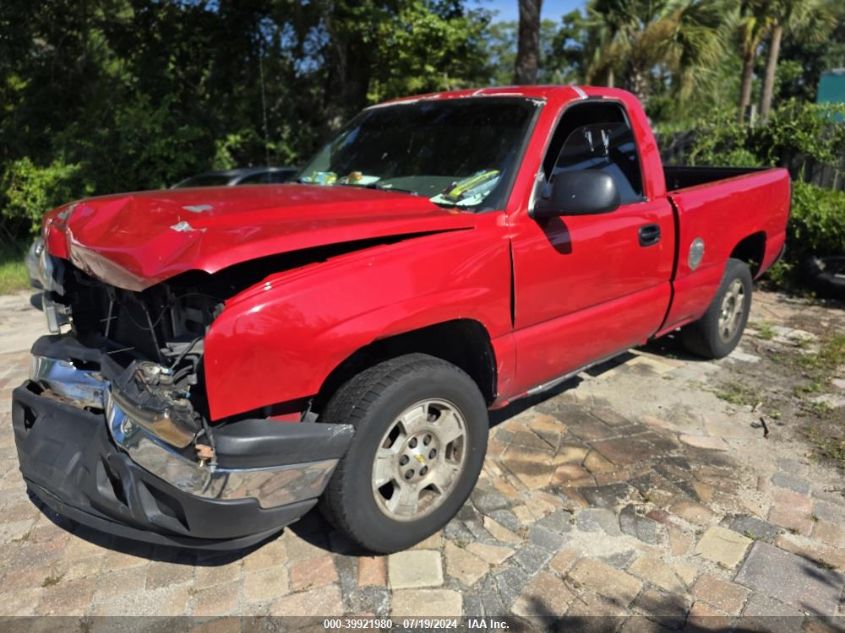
x=817, y=409
x=13, y=275
x=802, y=391
x=818, y=367
x=739, y=395
x=827, y=446
x=765, y=331
x=824, y=362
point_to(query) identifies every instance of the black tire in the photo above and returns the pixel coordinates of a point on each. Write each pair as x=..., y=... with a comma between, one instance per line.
x=826, y=276
x=371, y=402
x=703, y=337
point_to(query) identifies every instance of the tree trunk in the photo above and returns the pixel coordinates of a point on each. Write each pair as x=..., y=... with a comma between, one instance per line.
x=747, y=80
x=611, y=79
x=771, y=69
x=528, y=47
x=348, y=76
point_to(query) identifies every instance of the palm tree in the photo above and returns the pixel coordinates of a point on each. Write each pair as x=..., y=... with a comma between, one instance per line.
x=633, y=38
x=606, y=20
x=752, y=27
x=695, y=41
x=528, y=42
x=788, y=15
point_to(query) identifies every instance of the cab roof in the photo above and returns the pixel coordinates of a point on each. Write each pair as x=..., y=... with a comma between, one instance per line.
x=557, y=93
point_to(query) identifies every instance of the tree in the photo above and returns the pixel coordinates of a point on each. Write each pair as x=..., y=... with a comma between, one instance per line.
x=642, y=41
x=425, y=49
x=807, y=51
x=752, y=27
x=560, y=50
x=606, y=22
x=120, y=95
x=788, y=15
x=528, y=44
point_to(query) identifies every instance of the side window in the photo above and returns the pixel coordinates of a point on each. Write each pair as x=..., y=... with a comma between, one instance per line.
x=260, y=178
x=597, y=136
x=283, y=175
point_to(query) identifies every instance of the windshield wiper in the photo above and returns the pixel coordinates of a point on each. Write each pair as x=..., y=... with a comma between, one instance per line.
x=377, y=185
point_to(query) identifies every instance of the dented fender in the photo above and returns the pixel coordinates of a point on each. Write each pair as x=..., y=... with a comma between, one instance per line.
x=279, y=340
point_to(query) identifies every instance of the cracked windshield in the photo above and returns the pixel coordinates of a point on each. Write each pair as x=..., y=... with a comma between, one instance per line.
x=460, y=153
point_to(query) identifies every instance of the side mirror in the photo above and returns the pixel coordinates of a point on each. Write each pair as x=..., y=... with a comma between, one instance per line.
x=578, y=193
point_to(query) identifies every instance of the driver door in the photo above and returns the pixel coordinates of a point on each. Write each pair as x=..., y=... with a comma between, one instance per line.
x=590, y=286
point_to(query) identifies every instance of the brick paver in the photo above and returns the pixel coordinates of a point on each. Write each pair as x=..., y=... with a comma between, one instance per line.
x=725, y=596
x=415, y=568
x=791, y=579
x=723, y=546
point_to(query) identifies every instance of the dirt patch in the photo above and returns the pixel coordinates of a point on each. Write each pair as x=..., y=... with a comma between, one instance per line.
x=798, y=384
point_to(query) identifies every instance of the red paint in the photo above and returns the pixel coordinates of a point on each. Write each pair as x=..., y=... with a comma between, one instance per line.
x=130, y=239
x=588, y=274
x=583, y=286
x=280, y=340
x=723, y=214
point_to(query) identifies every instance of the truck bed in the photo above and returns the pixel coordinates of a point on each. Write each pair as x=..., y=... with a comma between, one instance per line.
x=724, y=209
x=684, y=176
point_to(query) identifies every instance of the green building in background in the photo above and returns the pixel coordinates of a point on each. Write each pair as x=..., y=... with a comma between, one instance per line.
x=832, y=86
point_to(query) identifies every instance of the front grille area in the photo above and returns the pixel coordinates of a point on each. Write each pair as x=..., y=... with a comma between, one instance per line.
x=152, y=324
x=162, y=327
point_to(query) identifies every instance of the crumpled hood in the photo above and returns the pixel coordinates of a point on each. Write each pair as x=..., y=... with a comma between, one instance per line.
x=137, y=240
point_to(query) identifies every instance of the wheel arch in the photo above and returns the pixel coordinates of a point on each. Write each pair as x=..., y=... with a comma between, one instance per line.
x=463, y=342
x=751, y=250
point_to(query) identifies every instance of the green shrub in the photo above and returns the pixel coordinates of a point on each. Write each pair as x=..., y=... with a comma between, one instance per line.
x=800, y=130
x=817, y=225
x=13, y=275
x=31, y=190
x=720, y=140
x=796, y=133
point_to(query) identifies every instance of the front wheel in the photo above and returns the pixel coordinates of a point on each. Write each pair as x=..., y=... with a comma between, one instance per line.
x=420, y=437
x=717, y=333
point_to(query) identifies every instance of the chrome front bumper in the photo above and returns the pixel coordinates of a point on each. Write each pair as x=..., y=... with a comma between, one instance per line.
x=270, y=486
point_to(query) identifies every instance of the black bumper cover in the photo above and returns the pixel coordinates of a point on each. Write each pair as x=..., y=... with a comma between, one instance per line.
x=68, y=460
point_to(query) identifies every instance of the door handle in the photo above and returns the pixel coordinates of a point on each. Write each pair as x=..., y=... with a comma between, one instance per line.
x=649, y=234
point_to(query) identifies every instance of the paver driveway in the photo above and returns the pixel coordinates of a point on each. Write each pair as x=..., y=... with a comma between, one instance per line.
x=633, y=489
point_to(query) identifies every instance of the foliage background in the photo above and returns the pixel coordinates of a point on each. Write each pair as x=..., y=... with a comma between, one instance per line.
x=99, y=96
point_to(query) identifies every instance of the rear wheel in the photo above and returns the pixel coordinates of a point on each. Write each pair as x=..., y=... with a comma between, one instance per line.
x=420, y=437
x=717, y=333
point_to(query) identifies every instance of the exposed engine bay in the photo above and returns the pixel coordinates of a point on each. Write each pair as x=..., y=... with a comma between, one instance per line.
x=155, y=336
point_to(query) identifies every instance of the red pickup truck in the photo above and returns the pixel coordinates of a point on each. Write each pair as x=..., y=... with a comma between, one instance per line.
x=223, y=358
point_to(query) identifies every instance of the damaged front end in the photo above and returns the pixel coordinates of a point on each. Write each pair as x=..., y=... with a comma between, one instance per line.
x=113, y=430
